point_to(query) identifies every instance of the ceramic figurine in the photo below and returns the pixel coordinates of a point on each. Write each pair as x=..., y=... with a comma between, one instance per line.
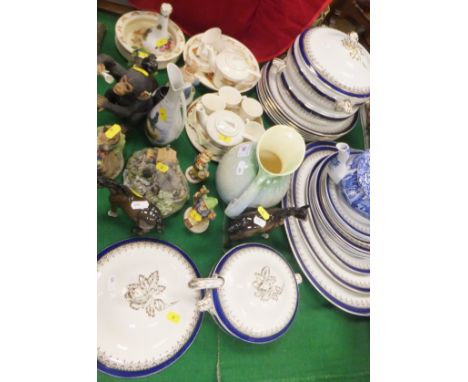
x=131, y=97
x=110, y=144
x=158, y=39
x=256, y=174
x=166, y=120
x=146, y=215
x=197, y=218
x=155, y=174
x=338, y=166
x=199, y=171
x=261, y=221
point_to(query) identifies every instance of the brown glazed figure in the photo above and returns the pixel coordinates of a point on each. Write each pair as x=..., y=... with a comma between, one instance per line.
x=131, y=98
x=146, y=215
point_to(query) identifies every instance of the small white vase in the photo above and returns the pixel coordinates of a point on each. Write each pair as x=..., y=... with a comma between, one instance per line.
x=338, y=166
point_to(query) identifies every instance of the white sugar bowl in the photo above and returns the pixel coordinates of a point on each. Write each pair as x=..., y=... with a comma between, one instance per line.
x=230, y=68
x=252, y=293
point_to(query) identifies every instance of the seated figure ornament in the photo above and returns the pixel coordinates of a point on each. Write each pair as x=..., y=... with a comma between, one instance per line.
x=131, y=98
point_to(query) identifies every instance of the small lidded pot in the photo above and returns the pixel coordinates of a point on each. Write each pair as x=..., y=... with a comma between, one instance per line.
x=230, y=68
x=252, y=293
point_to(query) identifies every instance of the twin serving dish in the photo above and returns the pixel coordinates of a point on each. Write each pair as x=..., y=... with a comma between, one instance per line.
x=151, y=300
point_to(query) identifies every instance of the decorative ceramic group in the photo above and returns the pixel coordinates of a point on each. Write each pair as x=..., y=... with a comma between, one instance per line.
x=150, y=290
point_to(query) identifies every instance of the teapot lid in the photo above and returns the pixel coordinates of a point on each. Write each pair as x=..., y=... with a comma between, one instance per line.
x=225, y=128
x=232, y=65
x=338, y=58
x=259, y=298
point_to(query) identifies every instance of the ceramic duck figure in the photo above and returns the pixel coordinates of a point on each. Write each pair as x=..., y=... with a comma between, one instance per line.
x=166, y=119
x=339, y=165
x=159, y=35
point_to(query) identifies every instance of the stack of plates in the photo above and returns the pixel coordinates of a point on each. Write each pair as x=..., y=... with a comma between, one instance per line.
x=320, y=85
x=332, y=246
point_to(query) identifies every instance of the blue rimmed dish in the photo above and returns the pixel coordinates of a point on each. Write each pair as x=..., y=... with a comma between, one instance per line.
x=348, y=300
x=147, y=314
x=252, y=293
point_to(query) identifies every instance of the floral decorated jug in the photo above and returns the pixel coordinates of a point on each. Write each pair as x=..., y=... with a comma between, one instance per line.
x=256, y=174
x=166, y=120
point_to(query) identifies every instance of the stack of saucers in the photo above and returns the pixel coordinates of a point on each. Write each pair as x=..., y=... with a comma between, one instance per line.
x=332, y=246
x=320, y=85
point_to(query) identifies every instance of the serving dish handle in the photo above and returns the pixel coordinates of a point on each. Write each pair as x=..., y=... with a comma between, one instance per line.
x=206, y=283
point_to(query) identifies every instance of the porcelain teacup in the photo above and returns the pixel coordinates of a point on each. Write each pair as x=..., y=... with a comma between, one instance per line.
x=212, y=102
x=231, y=96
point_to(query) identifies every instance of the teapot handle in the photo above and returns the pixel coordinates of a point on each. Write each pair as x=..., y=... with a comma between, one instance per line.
x=238, y=205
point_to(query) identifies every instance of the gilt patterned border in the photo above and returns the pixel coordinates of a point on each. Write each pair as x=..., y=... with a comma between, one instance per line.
x=229, y=310
x=116, y=363
x=323, y=72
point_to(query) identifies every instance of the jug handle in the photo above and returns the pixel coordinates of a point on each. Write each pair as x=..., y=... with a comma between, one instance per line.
x=238, y=205
x=184, y=108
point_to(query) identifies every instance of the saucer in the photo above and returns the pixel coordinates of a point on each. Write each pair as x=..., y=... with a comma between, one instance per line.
x=231, y=44
x=147, y=314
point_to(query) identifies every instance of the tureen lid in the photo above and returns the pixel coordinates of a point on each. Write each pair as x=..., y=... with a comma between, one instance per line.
x=225, y=128
x=259, y=298
x=232, y=65
x=147, y=314
x=338, y=58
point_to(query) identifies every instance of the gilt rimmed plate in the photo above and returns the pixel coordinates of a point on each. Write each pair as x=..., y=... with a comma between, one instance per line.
x=147, y=316
x=311, y=128
x=259, y=298
x=353, y=302
x=358, y=282
x=230, y=43
x=336, y=208
x=345, y=237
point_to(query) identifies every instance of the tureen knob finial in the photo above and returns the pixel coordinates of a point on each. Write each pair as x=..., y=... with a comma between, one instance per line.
x=354, y=37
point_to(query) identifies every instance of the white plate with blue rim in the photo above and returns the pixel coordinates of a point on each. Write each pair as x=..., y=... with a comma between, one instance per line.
x=252, y=293
x=334, y=203
x=359, y=282
x=346, y=255
x=147, y=315
x=350, y=301
x=352, y=240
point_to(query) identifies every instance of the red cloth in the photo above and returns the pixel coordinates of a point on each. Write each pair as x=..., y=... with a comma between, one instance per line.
x=267, y=27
